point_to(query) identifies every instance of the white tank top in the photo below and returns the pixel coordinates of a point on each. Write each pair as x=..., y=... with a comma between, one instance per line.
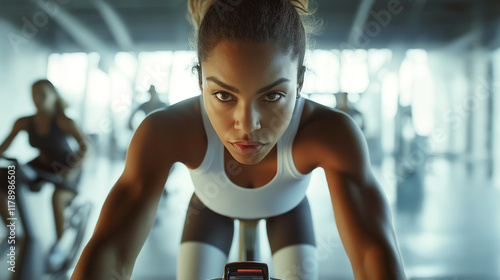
x=283, y=193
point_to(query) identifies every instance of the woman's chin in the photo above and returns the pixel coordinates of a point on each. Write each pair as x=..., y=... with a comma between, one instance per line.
x=247, y=159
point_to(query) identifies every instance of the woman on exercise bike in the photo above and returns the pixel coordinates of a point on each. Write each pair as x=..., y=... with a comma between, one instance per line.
x=48, y=130
x=251, y=142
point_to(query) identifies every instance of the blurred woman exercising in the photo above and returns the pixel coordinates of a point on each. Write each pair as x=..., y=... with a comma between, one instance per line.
x=251, y=143
x=48, y=130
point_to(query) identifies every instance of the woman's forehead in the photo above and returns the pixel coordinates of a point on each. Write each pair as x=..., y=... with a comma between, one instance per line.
x=237, y=59
x=43, y=89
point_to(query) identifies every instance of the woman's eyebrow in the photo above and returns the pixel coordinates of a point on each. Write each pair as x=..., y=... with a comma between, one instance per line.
x=233, y=89
x=221, y=84
x=269, y=87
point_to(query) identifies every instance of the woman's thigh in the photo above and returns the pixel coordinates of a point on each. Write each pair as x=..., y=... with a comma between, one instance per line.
x=205, y=244
x=68, y=179
x=292, y=227
x=293, y=245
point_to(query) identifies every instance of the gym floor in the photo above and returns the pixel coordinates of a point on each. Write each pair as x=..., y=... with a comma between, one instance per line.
x=446, y=221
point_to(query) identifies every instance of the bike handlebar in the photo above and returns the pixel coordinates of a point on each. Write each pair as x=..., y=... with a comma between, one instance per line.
x=30, y=174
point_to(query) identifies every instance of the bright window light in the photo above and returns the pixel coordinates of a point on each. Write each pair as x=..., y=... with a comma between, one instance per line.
x=127, y=64
x=390, y=95
x=354, y=71
x=417, y=90
x=68, y=73
x=378, y=58
x=323, y=72
x=183, y=83
x=154, y=69
x=98, y=99
x=121, y=92
x=407, y=81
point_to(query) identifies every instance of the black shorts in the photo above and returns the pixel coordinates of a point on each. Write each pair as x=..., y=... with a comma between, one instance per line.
x=290, y=228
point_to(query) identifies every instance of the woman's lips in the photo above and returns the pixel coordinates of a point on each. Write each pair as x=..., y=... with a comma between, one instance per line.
x=247, y=148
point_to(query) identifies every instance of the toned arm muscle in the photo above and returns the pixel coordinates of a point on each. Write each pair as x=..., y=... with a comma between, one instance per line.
x=361, y=210
x=130, y=208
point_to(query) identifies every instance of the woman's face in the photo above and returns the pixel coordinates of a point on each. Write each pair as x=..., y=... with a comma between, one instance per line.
x=249, y=91
x=44, y=97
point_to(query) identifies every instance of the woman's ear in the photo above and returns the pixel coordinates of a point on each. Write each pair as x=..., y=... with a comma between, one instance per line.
x=197, y=68
x=300, y=79
x=299, y=89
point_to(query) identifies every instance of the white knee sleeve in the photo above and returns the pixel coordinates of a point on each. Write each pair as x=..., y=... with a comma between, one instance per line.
x=200, y=261
x=296, y=262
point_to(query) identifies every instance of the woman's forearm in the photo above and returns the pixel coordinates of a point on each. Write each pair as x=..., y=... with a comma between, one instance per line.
x=99, y=261
x=123, y=226
x=380, y=264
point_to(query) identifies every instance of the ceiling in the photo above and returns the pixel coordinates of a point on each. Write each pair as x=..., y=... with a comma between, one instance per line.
x=114, y=25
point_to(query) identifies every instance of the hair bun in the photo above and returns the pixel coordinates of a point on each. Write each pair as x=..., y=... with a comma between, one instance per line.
x=197, y=10
x=301, y=6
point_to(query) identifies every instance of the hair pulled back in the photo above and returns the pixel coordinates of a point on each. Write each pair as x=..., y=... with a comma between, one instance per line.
x=61, y=105
x=260, y=21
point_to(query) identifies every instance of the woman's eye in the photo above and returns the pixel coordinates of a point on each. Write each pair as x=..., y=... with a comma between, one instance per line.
x=223, y=96
x=273, y=96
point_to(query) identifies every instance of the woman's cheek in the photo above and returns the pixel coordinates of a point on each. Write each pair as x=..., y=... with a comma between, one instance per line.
x=280, y=117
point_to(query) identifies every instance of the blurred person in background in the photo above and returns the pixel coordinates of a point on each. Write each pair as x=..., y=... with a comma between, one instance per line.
x=48, y=131
x=148, y=107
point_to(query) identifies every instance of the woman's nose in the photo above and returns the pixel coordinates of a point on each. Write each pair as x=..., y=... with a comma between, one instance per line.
x=39, y=99
x=247, y=118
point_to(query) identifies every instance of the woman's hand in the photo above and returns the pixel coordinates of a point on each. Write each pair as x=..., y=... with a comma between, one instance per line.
x=69, y=127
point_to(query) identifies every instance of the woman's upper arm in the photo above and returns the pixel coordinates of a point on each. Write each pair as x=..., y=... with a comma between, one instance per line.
x=149, y=159
x=361, y=210
x=150, y=156
x=153, y=150
x=20, y=124
x=130, y=208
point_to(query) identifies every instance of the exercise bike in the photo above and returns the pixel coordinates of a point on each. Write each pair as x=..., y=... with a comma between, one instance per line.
x=33, y=262
x=246, y=268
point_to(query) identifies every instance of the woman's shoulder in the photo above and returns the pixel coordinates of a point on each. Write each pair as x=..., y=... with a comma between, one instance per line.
x=178, y=116
x=317, y=117
x=179, y=128
x=23, y=123
x=326, y=132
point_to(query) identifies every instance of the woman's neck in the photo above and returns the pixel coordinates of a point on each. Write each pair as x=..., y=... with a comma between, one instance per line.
x=46, y=113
